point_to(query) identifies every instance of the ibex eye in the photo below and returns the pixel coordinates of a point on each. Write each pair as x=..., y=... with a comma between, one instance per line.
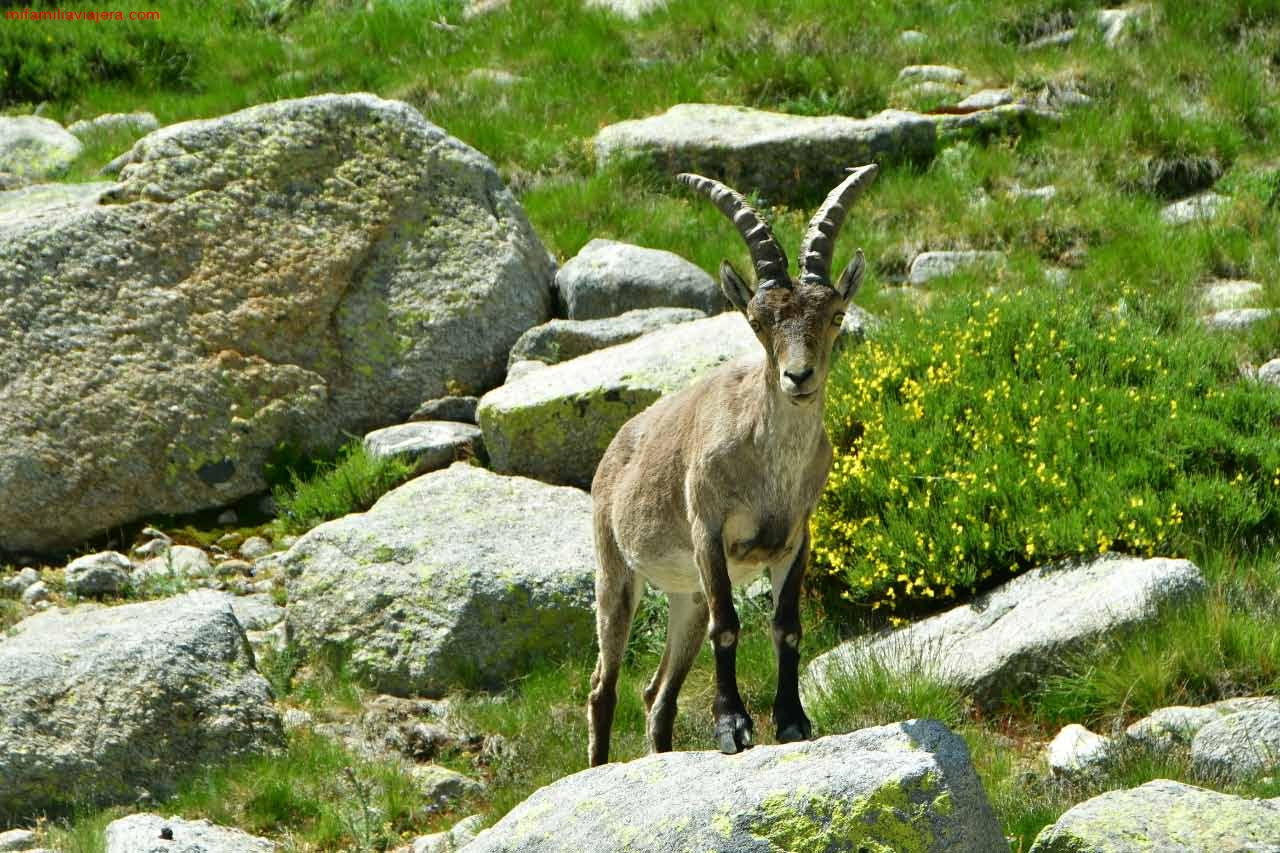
x=755, y=327
x=838, y=319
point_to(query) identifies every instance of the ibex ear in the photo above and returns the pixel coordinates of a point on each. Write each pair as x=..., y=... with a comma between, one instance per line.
x=851, y=278
x=734, y=287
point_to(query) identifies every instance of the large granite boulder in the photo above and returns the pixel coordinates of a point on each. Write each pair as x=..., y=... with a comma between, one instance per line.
x=560, y=340
x=904, y=787
x=608, y=278
x=458, y=577
x=96, y=701
x=294, y=271
x=783, y=156
x=1164, y=816
x=554, y=424
x=1005, y=639
x=36, y=147
x=141, y=833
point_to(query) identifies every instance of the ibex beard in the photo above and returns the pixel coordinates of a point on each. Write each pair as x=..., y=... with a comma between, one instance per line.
x=709, y=487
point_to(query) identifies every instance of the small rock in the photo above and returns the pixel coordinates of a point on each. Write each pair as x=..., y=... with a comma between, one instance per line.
x=1062, y=38
x=17, y=839
x=1270, y=372
x=931, y=73
x=561, y=340
x=114, y=122
x=930, y=265
x=460, y=834
x=1238, y=747
x=912, y=37
x=1117, y=23
x=151, y=833
x=113, y=167
x=105, y=573
x=182, y=561
x=296, y=718
x=632, y=10
x=1045, y=193
x=1223, y=294
x=440, y=786
x=153, y=548
x=427, y=445
x=496, y=76
x=986, y=99
x=1166, y=727
x=255, y=547
x=460, y=409
x=35, y=594
x=523, y=368
x=1198, y=208
x=476, y=8
x=416, y=729
x=233, y=567
x=256, y=612
x=36, y=147
x=19, y=583
x=1236, y=319
x=228, y=517
x=607, y=278
x=229, y=541
x=1077, y=753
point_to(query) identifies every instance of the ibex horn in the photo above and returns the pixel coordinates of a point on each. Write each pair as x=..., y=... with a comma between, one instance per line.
x=820, y=239
x=769, y=259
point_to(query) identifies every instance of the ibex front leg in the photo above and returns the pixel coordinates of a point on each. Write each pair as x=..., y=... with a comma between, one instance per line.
x=733, y=724
x=788, y=715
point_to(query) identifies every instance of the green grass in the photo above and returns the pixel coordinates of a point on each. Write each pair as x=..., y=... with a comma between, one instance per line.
x=353, y=482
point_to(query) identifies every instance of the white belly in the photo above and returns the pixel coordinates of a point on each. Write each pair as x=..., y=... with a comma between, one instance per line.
x=677, y=572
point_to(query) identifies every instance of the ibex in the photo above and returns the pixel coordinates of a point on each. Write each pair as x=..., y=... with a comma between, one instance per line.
x=708, y=487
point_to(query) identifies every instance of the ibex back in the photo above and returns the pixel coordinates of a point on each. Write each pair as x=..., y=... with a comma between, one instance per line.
x=708, y=487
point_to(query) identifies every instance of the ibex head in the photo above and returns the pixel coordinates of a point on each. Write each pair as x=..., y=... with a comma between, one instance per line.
x=796, y=319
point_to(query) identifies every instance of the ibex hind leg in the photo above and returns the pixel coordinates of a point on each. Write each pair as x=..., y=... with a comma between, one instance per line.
x=618, y=593
x=686, y=632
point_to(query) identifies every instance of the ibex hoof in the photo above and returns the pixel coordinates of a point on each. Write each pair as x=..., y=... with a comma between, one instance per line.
x=795, y=731
x=733, y=733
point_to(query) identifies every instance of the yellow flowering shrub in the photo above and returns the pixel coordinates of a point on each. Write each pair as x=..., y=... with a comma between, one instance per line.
x=993, y=434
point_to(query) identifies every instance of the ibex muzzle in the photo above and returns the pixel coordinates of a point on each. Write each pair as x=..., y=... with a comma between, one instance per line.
x=707, y=488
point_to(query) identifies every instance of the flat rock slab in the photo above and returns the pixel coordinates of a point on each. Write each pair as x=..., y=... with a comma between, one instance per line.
x=554, y=424
x=459, y=409
x=1006, y=638
x=95, y=701
x=1236, y=319
x=1199, y=208
x=608, y=278
x=904, y=787
x=782, y=156
x=460, y=577
x=427, y=445
x=1223, y=294
x=1238, y=747
x=36, y=147
x=140, y=833
x=927, y=266
x=560, y=340
x=296, y=270
x=1165, y=817
x=986, y=99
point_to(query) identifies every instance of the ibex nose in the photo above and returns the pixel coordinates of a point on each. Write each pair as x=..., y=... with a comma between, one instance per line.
x=798, y=378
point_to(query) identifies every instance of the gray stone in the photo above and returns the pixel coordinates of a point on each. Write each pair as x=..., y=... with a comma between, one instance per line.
x=153, y=548
x=462, y=833
x=519, y=370
x=986, y=99
x=95, y=701
x=930, y=265
x=19, y=583
x=441, y=786
x=177, y=561
x=17, y=839
x=1004, y=119
x=458, y=577
x=233, y=567
x=113, y=166
x=1005, y=639
x=255, y=547
x=460, y=409
x=1116, y=24
x=35, y=594
x=782, y=156
x=906, y=786
x=496, y=76
x=476, y=8
x=297, y=270
x=1062, y=38
x=114, y=123
x=632, y=10
x=36, y=147
x=1164, y=816
x=1076, y=753
x=104, y=573
x=1170, y=726
x=228, y=517
x=46, y=203
x=560, y=340
x=296, y=718
x=1236, y=319
x=607, y=278
x=256, y=612
x=555, y=424
x=912, y=37
x=1045, y=193
x=140, y=833
x=426, y=445
x=1238, y=747
x=931, y=74
x=1198, y=208
x=1222, y=294
x=1062, y=95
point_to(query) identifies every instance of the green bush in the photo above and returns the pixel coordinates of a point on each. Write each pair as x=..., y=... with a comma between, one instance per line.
x=987, y=436
x=351, y=483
